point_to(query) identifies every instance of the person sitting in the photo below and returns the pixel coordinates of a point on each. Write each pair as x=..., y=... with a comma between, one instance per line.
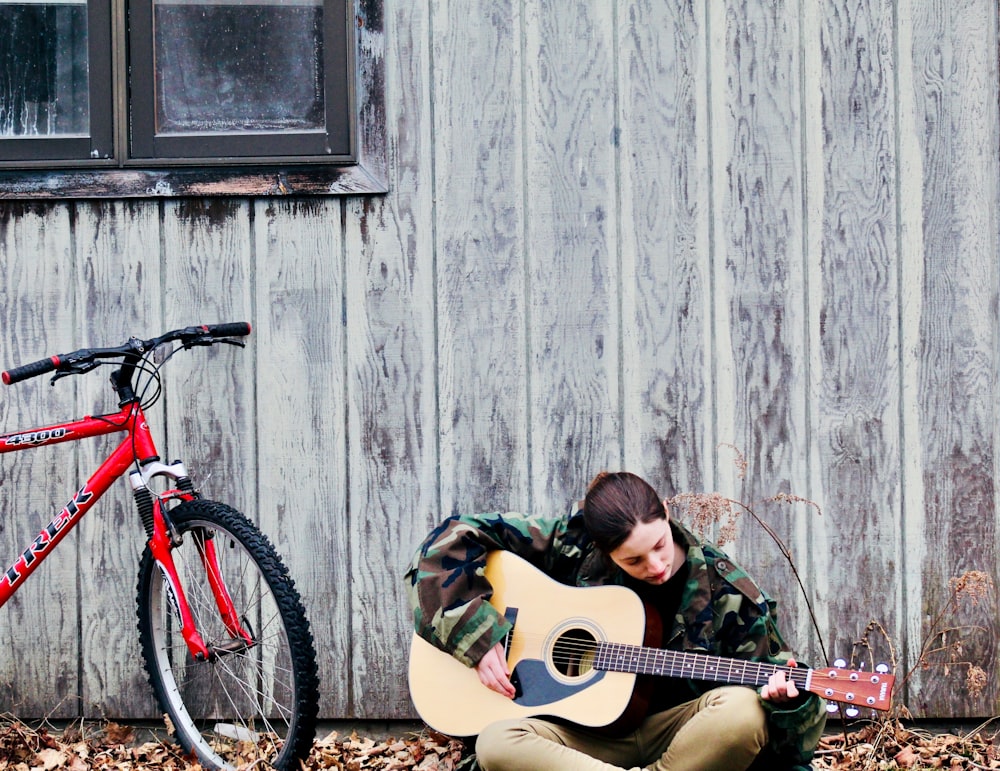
x=621, y=533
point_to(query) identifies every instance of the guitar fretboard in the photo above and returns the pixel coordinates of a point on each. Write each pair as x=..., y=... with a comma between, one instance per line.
x=635, y=659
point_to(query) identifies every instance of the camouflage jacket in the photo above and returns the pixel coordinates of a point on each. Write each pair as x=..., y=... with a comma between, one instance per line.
x=722, y=611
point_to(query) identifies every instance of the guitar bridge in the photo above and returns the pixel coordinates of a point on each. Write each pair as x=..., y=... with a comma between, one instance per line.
x=511, y=615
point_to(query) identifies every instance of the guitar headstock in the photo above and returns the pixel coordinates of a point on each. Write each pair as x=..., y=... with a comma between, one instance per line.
x=854, y=687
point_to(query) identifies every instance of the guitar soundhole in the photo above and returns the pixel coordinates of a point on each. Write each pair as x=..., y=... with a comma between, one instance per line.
x=573, y=653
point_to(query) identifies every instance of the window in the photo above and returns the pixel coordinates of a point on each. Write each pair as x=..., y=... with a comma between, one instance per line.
x=54, y=60
x=147, y=97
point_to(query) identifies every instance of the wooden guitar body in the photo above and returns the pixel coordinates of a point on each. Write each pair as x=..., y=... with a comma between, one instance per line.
x=551, y=618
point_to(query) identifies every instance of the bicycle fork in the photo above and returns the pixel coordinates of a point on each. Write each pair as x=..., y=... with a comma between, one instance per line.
x=163, y=538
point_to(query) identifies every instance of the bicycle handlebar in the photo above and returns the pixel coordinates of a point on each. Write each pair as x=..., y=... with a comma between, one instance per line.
x=86, y=358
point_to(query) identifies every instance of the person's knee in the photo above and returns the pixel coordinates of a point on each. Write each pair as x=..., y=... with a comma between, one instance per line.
x=490, y=743
x=740, y=715
x=499, y=743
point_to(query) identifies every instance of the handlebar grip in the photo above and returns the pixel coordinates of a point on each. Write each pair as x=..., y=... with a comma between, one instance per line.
x=232, y=329
x=40, y=367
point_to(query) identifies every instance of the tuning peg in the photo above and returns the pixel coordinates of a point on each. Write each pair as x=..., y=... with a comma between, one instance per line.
x=832, y=707
x=852, y=711
x=840, y=663
x=882, y=669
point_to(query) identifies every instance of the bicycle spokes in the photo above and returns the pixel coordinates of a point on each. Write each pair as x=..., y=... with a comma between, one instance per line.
x=241, y=638
x=247, y=700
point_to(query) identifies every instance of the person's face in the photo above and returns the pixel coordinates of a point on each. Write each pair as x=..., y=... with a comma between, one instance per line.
x=649, y=553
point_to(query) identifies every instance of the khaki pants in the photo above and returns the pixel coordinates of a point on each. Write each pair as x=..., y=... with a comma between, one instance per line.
x=724, y=730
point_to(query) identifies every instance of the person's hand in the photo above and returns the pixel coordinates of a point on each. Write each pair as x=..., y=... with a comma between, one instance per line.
x=493, y=672
x=778, y=688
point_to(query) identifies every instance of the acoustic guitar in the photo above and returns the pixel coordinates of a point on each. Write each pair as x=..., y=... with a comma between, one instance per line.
x=577, y=653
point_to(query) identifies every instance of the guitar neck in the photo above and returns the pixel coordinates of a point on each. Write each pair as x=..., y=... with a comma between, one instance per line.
x=635, y=659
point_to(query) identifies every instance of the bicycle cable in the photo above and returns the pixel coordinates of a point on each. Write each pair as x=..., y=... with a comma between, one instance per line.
x=143, y=366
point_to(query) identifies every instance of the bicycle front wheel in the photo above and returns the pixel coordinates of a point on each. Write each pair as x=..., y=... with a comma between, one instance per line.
x=250, y=701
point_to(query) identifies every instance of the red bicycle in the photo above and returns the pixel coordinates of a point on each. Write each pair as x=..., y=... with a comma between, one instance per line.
x=224, y=635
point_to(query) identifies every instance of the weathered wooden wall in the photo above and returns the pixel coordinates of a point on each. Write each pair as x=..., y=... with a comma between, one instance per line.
x=632, y=234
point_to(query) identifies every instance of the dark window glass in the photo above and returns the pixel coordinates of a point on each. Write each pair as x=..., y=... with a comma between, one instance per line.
x=239, y=82
x=238, y=67
x=44, y=87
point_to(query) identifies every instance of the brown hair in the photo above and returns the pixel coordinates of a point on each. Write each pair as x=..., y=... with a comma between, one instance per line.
x=616, y=502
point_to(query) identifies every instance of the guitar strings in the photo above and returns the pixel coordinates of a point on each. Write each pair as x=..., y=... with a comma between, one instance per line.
x=578, y=656
x=569, y=653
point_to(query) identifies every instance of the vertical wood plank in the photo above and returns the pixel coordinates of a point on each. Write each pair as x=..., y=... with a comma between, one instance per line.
x=813, y=192
x=954, y=66
x=38, y=319
x=663, y=177
x=911, y=250
x=210, y=401
x=301, y=421
x=760, y=288
x=118, y=276
x=479, y=250
x=571, y=248
x=857, y=409
x=391, y=376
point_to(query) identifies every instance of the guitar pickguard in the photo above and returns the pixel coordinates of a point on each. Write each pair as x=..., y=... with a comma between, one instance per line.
x=536, y=687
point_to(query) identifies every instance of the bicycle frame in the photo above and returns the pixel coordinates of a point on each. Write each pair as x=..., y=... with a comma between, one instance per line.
x=137, y=451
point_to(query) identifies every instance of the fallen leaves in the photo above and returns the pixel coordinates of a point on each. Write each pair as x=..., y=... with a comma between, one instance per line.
x=885, y=745
x=876, y=746
x=427, y=751
x=115, y=747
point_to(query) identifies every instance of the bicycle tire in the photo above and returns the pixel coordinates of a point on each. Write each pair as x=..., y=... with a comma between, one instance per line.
x=256, y=704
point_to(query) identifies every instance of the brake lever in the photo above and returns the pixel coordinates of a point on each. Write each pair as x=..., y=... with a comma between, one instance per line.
x=209, y=340
x=74, y=369
x=191, y=342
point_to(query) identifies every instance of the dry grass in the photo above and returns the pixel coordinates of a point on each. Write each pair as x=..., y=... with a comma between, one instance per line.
x=886, y=743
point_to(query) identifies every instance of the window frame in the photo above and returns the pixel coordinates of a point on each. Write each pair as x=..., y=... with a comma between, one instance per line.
x=97, y=145
x=146, y=147
x=126, y=177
